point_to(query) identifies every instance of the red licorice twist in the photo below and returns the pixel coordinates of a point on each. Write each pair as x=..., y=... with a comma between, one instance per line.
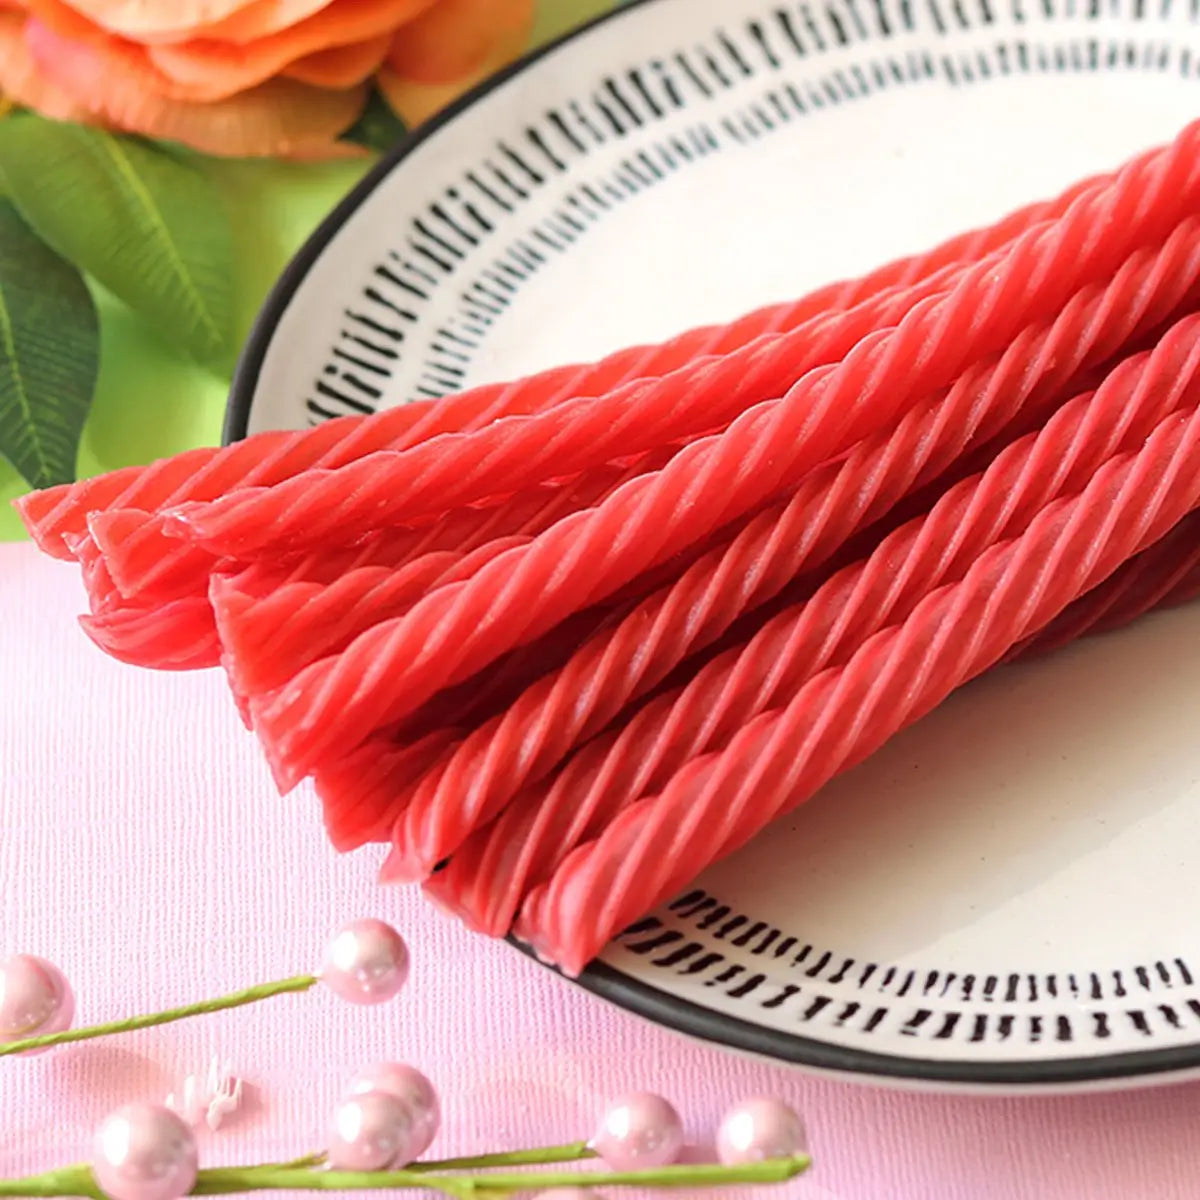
x=833, y=502
x=700, y=397
x=385, y=789
x=177, y=636
x=487, y=878
x=342, y=786
x=719, y=802
x=1164, y=575
x=392, y=668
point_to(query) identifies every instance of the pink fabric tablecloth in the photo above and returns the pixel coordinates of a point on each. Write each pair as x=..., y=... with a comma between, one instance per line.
x=144, y=850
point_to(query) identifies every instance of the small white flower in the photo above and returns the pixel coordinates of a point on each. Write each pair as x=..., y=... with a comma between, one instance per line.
x=209, y=1100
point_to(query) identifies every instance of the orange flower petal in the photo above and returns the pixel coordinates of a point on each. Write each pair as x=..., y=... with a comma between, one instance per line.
x=256, y=20
x=58, y=33
x=281, y=118
x=457, y=39
x=227, y=67
x=65, y=21
x=22, y=81
x=340, y=66
x=156, y=18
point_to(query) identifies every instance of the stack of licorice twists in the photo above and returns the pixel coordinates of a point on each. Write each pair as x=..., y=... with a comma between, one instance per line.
x=565, y=642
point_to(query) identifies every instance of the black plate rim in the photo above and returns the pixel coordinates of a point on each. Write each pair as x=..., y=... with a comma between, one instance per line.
x=626, y=992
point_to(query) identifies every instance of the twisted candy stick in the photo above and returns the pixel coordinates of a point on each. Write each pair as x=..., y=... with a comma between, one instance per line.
x=460, y=529
x=148, y=568
x=54, y=511
x=342, y=786
x=720, y=801
x=266, y=600
x=177, y=636
x=393, y=667
x=1164, y=575
x=703, y=395
x=52, y=514
x=268, y=638
x=265, y=641
x=378, y=793
x=831, y=504
x=210, y=472
x=698, y=398
x=487, y=878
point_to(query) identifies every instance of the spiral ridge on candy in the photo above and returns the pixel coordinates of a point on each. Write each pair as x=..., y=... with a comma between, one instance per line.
x=487, y=877
x=830, y=505
x=1161, y=576
x=720, y=801
x=342, y=787
x=584, y=557
x=148, y=568
x=179, y=636
x=268, y=638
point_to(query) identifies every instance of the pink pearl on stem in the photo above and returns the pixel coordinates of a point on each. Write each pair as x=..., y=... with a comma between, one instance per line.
x=639, y=1131
x=35, y=999
x=366, y=962
x=372, y=1131
x=759, y=1129
x=413, y=1089
x=144, y=1152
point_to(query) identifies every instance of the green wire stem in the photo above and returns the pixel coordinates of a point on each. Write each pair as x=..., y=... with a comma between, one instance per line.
x=263, y=991
x=225, y=1181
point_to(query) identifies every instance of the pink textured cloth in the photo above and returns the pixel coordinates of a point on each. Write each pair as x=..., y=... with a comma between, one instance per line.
x=135, y=820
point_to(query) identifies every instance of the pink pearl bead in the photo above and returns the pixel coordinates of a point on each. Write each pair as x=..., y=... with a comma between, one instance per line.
x=35, y=999
x=408, y=1085
x=372, y=1131
x=759, y=1129
x=366, y=962
x=641, y=1130
x=145, y=1152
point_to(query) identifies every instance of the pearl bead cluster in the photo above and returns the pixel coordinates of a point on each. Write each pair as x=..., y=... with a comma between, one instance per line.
x=643, y=1130
x=389, y=1114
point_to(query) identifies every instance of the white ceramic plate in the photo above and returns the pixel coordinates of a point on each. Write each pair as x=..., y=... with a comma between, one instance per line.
x=1005, y=896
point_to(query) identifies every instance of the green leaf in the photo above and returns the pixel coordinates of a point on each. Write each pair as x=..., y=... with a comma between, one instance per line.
x=49, y=354
x=149, y=226
x=378, y=128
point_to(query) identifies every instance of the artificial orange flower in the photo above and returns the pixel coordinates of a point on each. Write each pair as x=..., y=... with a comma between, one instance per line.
x=250, y=77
